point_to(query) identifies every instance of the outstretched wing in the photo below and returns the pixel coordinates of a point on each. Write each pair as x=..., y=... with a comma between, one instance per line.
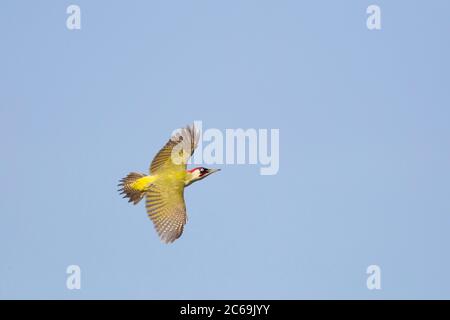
x=166, y=208
x=177, y=151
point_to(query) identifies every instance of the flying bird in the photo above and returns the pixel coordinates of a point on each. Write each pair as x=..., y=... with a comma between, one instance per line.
x=164, y=186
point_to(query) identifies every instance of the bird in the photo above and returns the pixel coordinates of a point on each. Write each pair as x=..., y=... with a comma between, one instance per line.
x=164, y=186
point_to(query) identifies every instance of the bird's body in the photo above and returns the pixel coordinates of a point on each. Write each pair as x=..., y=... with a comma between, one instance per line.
x=145, y=181
x=164, y=186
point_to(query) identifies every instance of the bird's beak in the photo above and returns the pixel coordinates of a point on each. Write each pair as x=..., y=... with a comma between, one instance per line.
x=211, y=171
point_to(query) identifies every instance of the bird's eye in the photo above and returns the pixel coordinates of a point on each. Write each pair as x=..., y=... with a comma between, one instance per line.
x=201, y=169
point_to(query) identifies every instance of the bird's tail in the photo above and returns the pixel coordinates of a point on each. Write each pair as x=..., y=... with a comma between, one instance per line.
x=126, y=187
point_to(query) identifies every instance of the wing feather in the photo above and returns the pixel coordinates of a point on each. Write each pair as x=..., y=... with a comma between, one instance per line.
x=177, y=151
x=166, y=208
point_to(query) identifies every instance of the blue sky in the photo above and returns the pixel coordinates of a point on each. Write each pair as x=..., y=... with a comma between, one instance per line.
x=364, y=148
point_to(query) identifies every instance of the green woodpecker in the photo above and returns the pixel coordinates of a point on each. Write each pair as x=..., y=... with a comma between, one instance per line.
x=164, y=186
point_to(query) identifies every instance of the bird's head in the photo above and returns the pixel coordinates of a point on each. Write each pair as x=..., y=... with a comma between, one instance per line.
x=199, y=173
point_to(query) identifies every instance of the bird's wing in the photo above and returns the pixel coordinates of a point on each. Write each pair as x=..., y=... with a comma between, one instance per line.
x=166, y=208
x=177, y=151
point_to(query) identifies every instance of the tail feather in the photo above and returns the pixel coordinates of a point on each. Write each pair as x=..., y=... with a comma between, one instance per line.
x=128, y=191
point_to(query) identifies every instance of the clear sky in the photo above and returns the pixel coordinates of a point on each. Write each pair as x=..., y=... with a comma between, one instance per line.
x=364, y=125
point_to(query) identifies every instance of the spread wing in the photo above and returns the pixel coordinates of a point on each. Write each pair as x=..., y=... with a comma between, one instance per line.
x=177, y=151
x=166, y=208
